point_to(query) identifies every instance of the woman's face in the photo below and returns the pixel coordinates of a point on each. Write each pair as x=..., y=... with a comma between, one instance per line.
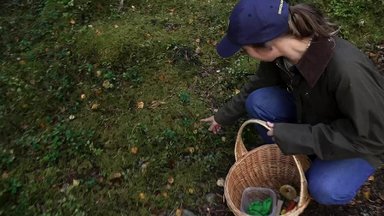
x=266, y=52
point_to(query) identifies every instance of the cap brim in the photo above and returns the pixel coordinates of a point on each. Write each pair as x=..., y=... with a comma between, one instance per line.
x=226, y=48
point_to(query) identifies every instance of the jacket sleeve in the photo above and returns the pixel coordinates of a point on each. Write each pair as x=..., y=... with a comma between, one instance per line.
x=359, y=92
x=266, y=75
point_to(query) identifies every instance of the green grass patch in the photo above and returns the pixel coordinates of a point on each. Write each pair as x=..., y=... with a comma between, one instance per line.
x=101, y=103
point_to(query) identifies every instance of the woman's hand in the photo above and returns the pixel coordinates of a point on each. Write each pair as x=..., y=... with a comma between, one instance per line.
x=270, y=132
x=214, y=127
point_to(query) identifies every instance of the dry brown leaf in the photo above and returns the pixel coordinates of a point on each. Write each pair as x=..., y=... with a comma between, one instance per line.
x=82, y=96
x=171, y=180
x=72, y=22
x=155, y=104
x=95, y=106
x=116, y=178
x=134, y=150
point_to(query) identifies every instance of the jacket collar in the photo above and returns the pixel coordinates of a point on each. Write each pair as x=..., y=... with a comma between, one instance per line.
x=314, y=61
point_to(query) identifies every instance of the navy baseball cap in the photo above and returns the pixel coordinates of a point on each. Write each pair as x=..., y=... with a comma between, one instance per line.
x=254, y=22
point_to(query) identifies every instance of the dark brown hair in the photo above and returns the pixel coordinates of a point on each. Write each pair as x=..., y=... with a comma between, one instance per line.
x=306, y=21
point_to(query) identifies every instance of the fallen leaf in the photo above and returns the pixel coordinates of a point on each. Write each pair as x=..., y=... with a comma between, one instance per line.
x=116, y=26
x=134, y=150
x=71, y=117
x=140, y=105
x=116, y=178
x=75, y=182
x=95, y=106
x=155, y=104
x=144, y=167
x=198, y=50
x=164, y=194
x=367, y=193
x=142, y=196
x=82, y=96
x=371, y=178
x=191, y=190
x=72, y=22
x=191, y=149
x=179, y=212
x=220, y=182
x=171, y=180
x=98, y=73
x=237, y=91
x=107, y=84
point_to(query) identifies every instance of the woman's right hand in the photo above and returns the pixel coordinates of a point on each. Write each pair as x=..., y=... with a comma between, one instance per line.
x=214, y=126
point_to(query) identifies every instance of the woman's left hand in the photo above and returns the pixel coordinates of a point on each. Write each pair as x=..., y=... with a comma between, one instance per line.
x=270, y=132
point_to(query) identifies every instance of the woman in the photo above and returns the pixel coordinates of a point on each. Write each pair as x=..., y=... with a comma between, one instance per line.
x=320, y=95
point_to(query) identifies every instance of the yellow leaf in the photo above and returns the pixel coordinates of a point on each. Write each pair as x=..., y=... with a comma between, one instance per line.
x=367, y=193
x=140, y=105
x=191, y=149
x=191, y=190
x=179, y=212
x=134, y=150
x=142, y=196
x=75, y=182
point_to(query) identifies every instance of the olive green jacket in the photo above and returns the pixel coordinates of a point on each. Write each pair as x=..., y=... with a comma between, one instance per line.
x=339, y=96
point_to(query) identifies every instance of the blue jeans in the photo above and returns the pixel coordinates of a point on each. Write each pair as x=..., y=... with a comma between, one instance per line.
x=330, y=182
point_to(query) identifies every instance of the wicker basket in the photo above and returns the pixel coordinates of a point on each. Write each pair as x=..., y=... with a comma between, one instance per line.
x=265, y=166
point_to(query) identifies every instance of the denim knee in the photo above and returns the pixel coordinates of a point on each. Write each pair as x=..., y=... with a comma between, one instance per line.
x=328, y=193
x=251, y=105
x=271, y=104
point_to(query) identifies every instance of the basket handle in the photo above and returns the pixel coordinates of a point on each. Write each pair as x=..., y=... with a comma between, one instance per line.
x=303, y=184
x=240, y=149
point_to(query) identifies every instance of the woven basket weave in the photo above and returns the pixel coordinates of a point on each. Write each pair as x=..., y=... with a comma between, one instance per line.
x=265, y=166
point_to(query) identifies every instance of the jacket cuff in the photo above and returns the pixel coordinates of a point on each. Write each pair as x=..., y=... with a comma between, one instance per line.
x=293, y=139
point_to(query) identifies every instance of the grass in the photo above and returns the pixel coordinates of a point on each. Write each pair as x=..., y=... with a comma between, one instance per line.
x=100, y=105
